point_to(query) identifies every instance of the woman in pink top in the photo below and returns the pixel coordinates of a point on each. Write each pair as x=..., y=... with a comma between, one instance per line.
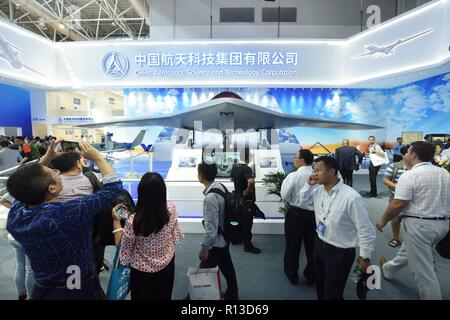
x=148, y=241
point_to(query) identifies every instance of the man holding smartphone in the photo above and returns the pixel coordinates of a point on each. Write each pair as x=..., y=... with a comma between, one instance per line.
x=342, y=220
x=56, y=236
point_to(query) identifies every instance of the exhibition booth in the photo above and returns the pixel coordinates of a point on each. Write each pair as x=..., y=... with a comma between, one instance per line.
x=389, y=81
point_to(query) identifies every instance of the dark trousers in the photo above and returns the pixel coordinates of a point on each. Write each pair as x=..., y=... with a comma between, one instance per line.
x=333, y=266
x=89, y=290
x=373, y=171
x=221, y=257
x=347, y=176
x=247, y=224
x=299, y=225
x=397, y=158
x=153, y=286
x=99, y=254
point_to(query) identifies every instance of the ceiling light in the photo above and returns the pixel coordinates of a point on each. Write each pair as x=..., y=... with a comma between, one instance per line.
x=61, y=26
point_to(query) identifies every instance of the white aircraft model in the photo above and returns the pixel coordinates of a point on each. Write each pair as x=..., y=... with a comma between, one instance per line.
x=10, y=54
x=387, y=49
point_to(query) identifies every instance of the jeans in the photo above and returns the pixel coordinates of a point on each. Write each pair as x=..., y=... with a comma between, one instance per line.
x=24, y=274
x=90, y=290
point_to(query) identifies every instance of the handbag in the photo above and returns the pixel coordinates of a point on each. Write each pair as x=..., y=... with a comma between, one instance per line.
x=119, y=282
x=204, y=284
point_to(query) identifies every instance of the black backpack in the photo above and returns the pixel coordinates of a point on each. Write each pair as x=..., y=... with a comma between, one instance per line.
x=232, y=229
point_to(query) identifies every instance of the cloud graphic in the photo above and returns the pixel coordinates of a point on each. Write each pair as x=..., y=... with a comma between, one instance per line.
x=368, y=107
x=439, y=100
x=411, y=103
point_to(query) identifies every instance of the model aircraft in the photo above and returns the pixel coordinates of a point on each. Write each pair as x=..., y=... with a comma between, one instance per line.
x=387, y=49
x=110, y=146
x=229, y=111
x=10, y=54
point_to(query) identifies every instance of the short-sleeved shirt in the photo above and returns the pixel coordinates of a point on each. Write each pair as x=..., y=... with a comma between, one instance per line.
x=427, y=190
x=240, y=174
x=397, y=148
x=75, y=186
x=26, y=151
x=393, y=173
x=152, y=253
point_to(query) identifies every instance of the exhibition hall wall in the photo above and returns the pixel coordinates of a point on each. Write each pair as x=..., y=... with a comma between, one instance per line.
x=422, y=106
x=15, y=108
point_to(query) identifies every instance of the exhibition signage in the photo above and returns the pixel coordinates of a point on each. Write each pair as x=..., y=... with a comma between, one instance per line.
x=407, y=43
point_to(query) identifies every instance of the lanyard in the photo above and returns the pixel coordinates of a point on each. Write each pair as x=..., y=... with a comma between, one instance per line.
x=327, y=212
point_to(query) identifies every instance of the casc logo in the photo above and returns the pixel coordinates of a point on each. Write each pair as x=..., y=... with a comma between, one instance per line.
x=115, y=65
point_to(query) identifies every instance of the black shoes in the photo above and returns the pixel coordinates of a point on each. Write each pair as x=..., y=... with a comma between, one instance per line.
x=309, y=282
x=251, y=248
x=293, y=279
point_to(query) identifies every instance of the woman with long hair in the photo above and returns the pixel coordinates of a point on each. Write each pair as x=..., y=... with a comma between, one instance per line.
x=148, y=240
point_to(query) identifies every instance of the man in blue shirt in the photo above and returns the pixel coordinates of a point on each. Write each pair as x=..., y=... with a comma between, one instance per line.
x=56, y=235
x=396, y=150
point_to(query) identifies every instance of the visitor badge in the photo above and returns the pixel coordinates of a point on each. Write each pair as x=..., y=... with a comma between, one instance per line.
x=321, y=227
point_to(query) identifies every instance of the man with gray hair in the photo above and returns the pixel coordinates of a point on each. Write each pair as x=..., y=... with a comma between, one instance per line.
x=346, y=159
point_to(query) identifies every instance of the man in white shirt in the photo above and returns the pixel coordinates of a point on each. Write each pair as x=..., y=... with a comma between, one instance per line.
x=422, y=198
x=343, y=223
x=374, y=148
x=300, y=222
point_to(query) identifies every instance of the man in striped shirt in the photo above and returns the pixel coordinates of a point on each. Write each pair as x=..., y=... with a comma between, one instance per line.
x=391, y=176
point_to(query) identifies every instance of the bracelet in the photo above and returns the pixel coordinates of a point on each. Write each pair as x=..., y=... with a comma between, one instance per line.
x=117, y=230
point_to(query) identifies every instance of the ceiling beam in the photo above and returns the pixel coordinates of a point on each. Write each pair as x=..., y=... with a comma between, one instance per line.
x=37, y=10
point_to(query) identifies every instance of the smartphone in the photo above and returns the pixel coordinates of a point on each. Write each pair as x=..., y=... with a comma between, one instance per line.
x=70, y=146
x=122, y=212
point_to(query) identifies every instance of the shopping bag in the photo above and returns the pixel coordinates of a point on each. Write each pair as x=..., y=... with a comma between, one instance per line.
x=204, y=284
x=119, y=282
x=379, y=160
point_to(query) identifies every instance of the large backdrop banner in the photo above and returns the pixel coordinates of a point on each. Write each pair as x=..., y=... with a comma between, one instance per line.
x=419, y=106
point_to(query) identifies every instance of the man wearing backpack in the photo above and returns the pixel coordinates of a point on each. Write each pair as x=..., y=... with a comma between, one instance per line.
x=214, y=248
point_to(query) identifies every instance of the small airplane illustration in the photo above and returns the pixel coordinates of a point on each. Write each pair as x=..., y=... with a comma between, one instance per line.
x=10, y=54
x=387, y=49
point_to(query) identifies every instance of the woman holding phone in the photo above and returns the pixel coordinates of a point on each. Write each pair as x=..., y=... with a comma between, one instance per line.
x=148, y=240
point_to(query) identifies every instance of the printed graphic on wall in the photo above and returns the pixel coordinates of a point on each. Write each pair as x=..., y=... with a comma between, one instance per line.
x=420, y=106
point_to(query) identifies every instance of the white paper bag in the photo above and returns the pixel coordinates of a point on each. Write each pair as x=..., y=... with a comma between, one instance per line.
x=378, y=160
x=204, y=284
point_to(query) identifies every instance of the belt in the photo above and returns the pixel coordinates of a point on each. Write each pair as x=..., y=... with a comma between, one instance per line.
x=300, y=209
x=427, y=218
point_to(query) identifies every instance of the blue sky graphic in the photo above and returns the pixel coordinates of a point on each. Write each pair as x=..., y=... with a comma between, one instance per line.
x=419, y=106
